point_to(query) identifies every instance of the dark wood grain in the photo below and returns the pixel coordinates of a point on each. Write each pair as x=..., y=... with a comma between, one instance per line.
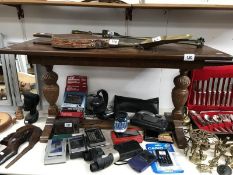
x=167, y=56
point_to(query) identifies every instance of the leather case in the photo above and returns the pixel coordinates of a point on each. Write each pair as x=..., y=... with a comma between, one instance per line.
x=154, y=123
x=214, y=98
x=66, y=126
x=128, y=149
x=129, y=104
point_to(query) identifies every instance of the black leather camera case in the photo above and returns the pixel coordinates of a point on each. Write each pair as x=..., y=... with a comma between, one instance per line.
x=128, y=149
x=146, y=121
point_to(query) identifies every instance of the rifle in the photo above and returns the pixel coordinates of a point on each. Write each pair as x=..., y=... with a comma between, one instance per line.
x=89, y=40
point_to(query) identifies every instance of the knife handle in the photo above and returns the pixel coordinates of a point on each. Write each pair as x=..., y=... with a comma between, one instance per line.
x=201, y=121
x=218, y=101
x=194, y=97
x=224, y=99
x=209, y=95
x=199, y=98
x=228, y=99
x=204, y=98
x=213, y=100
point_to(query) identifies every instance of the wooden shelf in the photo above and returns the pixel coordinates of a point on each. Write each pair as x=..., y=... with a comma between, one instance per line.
x=65, y=3
x=184, y=6
x=117, y=5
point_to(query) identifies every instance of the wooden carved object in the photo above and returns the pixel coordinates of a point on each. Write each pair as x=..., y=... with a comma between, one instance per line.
x=19, y=113
x=51, y=90
x=180, y=94
x=5, y=121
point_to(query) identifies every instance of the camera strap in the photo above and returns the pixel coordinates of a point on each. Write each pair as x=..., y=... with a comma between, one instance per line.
x=122, y=162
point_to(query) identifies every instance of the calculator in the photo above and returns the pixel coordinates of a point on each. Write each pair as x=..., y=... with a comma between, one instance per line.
x=95, y=137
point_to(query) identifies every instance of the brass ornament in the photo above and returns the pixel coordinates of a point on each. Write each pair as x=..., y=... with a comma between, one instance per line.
x=203, y=168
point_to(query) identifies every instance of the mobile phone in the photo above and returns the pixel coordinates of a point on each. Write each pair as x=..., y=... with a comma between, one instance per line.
x=142, y=161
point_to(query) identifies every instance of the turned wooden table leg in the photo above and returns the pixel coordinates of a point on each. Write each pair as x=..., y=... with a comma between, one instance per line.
x=180, y=94
x=179, y=98
x=51, y=92
x=51, y=89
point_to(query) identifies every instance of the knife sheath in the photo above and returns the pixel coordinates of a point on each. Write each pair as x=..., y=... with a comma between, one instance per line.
x=72, y=41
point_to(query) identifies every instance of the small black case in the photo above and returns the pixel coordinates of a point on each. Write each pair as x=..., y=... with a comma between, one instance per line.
x=66, y=126
x=142, y=161
x=128, y=149
x=129, y=104
x=146, y=121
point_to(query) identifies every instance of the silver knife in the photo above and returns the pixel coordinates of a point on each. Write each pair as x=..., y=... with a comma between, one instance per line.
x=195, y=92
x=219, y=90
x=214, y=91
x=199, y=92
x=209, y=90
x=229, y=92
x=204, y=92
x=222, y=129
x=225, y=91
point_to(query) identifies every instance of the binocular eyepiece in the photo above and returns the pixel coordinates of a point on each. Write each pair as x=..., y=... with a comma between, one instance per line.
x=101, y=163
x=93, y=154
x=100, y=159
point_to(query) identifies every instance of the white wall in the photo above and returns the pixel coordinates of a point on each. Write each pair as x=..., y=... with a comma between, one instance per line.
x=215, y=26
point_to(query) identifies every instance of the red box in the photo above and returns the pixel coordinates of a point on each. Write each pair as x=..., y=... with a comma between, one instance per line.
x=117, y=140
x=211, y=95
x=71, y=114
x=76, y=83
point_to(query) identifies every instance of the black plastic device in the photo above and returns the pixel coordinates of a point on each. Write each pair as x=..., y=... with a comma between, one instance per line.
x=148, y=120
x=77, y=145
x=97, y=104
x=95, y=137
x=163, y=157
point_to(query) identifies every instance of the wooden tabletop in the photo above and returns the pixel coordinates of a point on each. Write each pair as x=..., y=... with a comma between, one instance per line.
x=169, y=55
